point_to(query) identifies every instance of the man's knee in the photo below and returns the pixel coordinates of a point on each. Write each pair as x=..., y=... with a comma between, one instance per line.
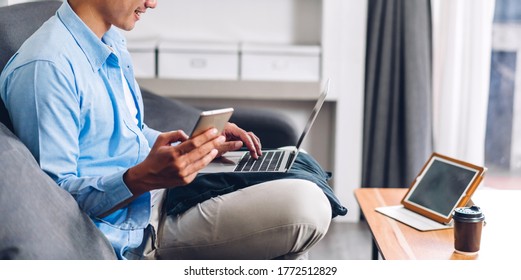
x=307, y=215
x=305, y=203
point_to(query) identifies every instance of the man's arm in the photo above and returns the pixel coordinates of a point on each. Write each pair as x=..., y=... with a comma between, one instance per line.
x=45, y=112
x=171, y=166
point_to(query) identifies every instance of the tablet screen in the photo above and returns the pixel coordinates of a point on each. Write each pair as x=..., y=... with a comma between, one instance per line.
x=442, y=186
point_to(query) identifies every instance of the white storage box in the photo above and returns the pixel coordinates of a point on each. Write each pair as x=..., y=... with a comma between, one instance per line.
x=143, y=55
x=186, y=60
x=280, y=62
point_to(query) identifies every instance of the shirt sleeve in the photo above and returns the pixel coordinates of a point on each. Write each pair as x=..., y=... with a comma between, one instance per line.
x=45, y=111
x=150, y=134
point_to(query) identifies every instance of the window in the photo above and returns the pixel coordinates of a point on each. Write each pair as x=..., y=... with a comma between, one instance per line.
x=503, y=134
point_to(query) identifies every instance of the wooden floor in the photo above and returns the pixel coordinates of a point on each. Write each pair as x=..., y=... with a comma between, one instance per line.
x=344, y=241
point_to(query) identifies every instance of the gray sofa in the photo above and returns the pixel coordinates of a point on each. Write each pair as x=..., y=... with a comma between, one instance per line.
x=48, y=224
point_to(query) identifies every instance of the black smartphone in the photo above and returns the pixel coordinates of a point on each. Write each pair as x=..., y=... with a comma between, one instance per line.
x=213, y=118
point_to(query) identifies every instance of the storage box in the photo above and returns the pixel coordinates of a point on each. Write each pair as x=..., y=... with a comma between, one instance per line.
x=190, y=60
x=143, y=53
x=280, y=62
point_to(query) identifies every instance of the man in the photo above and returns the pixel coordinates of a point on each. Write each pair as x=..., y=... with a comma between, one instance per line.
x=73, y=100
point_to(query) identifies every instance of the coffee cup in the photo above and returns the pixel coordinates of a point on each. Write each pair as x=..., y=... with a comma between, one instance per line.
x=468, y=223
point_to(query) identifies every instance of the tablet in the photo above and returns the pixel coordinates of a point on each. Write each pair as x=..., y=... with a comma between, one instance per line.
x=442, y=185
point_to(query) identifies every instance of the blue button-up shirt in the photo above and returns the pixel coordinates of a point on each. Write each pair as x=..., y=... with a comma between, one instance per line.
x=64, y=93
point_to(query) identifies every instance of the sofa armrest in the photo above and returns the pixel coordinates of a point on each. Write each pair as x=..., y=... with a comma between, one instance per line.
x=39, y=219
x=272, y=127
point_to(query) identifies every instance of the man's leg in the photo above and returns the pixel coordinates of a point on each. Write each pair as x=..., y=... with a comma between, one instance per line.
x=276, y=219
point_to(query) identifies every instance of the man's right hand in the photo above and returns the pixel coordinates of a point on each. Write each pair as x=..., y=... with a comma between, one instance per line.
x=171, y=166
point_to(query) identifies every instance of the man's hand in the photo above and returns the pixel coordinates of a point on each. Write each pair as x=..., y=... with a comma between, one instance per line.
x=236, y=138
x=170, y=166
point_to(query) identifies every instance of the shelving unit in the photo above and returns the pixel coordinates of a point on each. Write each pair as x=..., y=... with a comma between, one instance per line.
x=221, y=89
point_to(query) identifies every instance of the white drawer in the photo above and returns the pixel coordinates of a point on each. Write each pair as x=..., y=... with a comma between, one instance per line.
x=143, y=55
x=144, y=64
x=280, y=63
x=198, y=61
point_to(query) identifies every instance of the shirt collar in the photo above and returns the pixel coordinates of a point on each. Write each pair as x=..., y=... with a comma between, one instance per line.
x=94, y=49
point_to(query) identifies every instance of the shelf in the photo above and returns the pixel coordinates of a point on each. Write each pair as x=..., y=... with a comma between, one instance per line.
x=221, y=89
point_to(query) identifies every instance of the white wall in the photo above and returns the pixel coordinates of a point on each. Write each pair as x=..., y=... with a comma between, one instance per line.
x=12, y=2
x=277, y=21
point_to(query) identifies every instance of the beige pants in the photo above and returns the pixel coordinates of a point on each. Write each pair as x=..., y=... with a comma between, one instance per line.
x=279, y=219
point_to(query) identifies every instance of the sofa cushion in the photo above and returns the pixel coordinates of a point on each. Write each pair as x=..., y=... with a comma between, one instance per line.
x=40, y=220
x=273, y=128
x=165, y=114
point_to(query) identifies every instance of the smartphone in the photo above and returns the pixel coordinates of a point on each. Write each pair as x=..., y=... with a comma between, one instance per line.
x=213, y=118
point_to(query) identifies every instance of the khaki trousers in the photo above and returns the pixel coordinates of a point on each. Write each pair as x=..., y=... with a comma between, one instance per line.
x=279, y=219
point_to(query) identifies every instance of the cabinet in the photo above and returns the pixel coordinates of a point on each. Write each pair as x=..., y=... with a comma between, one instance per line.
x=337, y=26
x=199, y=61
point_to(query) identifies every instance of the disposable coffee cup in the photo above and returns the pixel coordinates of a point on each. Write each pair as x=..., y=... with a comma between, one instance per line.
x=468, y=223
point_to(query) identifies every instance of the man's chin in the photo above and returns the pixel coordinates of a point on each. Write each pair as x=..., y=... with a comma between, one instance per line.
x=126, y=27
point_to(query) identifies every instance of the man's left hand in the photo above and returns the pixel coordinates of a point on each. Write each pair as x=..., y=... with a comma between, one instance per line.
x=237, y=137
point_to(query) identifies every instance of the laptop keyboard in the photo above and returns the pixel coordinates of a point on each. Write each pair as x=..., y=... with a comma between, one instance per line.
x=269, y=161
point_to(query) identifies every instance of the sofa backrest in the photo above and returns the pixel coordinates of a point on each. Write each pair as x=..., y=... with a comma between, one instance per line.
x=17, y=23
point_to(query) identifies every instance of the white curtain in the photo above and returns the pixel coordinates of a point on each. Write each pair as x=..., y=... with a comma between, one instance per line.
x=462, y=34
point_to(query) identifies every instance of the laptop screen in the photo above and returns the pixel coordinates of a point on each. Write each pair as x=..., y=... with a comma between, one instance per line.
x=442, y=186
x=314, y=113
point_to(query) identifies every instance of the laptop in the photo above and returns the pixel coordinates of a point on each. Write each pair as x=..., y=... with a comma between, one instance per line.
x=443, y=184
x=277, y=160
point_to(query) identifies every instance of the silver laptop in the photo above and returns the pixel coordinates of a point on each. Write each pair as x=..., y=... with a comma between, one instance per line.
x=278, y=160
